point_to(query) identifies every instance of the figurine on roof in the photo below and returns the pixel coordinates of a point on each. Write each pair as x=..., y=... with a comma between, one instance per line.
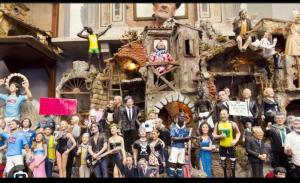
x=161, y=55
x=242, y=29
x=93, y=44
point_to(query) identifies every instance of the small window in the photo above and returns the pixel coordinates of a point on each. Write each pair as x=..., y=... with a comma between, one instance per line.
x=156, y=41
x=189, y=47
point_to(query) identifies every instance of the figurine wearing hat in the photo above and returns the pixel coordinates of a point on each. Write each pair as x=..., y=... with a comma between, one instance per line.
x=241, y=28
x=164, y=12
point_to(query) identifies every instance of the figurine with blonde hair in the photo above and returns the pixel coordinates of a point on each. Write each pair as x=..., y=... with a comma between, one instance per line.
x=269, y=106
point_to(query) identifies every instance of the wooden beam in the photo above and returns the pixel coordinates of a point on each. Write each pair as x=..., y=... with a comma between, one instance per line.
x=11, y=65
x=52, y=80
x=55, y=19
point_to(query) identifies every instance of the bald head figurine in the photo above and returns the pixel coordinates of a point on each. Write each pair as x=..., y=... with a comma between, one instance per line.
x=164, y=11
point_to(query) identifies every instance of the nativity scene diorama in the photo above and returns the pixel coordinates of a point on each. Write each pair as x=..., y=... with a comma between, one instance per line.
x=191, y=78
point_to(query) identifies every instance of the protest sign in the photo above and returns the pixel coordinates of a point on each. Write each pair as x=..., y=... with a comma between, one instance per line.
x=57, y=106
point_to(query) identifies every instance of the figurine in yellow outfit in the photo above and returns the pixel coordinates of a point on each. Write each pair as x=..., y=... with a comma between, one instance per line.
x=93, y=43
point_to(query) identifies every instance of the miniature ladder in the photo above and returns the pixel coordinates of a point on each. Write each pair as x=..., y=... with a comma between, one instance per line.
x=111, y=83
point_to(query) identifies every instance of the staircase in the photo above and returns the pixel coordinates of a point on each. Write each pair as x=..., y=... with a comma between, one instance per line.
x=114, y=85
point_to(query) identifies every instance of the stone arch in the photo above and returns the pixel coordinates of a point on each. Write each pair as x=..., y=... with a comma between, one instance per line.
x=178, y=98
x=66, y=79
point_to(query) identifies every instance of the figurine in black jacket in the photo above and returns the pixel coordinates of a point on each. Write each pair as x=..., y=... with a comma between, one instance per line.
x=277, y=133
x=252, y=109
x=129, y=170
x=143, y=170
x=256, y=153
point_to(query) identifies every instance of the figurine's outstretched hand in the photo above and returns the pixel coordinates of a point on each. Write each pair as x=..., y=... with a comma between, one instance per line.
x=109, y=26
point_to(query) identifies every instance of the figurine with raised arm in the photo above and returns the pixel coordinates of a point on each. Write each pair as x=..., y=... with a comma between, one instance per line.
x=93, y=44
x=14, y=99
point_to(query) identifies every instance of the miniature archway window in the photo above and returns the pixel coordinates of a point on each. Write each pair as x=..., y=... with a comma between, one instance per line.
x=75, y=88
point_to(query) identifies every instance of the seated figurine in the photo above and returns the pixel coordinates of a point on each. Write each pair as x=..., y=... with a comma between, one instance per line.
x=161, y=55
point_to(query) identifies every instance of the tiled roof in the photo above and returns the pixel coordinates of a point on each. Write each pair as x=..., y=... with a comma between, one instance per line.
x=135, y=51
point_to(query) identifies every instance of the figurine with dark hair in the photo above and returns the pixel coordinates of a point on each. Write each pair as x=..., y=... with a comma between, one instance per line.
x=203, y=108
x=13, y=100
x=93, y=44
x=28, y=133
x=205, y=143
x=241, y=28
x=225, y=130
x=227, y=92
x=179, y=135
x=129, y=122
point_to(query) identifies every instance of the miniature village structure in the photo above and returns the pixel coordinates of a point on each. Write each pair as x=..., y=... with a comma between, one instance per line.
x=202, y=58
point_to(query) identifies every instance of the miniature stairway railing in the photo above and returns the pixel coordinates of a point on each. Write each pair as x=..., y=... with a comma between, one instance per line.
x=161, y=75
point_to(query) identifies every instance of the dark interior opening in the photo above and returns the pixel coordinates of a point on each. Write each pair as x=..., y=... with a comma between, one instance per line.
x=187, y=47
x=236, y=84
x=169, y=112
x=293, y=108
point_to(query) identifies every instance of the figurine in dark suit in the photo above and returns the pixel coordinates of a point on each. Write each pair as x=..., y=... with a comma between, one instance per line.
x=129, y=122
x=256, y=153
x=143, y=170
x=223, y=103
x=252, y=109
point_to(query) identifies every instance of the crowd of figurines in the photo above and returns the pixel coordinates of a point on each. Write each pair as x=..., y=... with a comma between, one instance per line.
x=116, y=144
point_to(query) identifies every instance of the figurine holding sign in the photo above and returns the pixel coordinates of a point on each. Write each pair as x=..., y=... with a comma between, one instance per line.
x=93, y=43
x=252, y=108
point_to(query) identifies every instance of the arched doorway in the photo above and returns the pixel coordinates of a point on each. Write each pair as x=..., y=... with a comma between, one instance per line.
x=169, y=112
x=168, y=107
x=293, y=108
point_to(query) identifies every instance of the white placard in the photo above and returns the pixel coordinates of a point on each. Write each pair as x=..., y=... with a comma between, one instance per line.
x=238, y=108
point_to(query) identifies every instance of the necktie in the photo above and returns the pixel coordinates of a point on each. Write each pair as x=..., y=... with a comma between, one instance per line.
x=248, y=107
x=259, y=142
x=130, y=117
